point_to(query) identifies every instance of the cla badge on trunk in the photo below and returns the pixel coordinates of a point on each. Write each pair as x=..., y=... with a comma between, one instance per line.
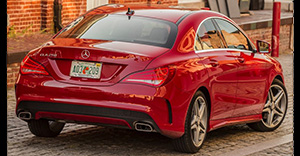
x=85, y=54
x=55, y=54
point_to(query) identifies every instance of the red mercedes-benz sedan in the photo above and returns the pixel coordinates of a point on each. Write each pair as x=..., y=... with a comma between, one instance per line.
x=177, y=72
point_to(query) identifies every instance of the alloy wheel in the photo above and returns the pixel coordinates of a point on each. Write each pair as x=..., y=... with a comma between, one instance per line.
x=275, y=106
x=199, y=121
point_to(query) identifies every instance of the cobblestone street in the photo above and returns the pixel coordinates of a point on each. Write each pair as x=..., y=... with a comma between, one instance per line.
x=91, y=140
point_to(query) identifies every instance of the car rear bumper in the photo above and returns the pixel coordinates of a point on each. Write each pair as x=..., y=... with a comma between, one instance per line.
x=85, y=114
x=121, y=105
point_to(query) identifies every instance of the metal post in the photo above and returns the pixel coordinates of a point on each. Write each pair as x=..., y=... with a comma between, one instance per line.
x=276, y=29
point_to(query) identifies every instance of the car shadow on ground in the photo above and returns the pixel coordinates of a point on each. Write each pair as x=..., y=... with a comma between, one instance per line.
x=113, y=141
x=107, y=141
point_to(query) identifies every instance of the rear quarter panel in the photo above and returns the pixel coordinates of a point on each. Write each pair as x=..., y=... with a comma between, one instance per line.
x=191, y=73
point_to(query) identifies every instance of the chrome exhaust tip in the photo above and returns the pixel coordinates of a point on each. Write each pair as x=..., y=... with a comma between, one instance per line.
x=144, y=127
x=24, y=115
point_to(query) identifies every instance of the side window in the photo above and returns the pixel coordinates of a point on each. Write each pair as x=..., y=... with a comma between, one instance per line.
x=207, y=37
x=233, y=36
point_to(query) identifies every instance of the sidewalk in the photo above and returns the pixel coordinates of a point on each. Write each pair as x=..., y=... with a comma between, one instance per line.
x=18, y=47
x=26, y=42
x=261, y=16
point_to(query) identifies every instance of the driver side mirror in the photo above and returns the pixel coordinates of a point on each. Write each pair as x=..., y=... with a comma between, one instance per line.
x=263, y=46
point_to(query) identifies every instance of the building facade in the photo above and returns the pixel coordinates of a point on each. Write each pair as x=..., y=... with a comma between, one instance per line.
x=37, y=15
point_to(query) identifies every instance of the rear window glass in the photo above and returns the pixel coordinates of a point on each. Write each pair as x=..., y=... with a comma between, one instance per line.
x=121, y=28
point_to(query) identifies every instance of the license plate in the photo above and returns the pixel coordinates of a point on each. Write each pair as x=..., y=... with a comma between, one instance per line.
x=85, y=69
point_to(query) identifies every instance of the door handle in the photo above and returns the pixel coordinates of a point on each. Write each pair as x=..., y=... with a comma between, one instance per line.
x=213, y=62
x=241, y=60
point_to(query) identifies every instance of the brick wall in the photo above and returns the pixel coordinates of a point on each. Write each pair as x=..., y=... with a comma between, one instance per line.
x=71, y=10
x=24, y=14
x=266, y=33
x=36, y=15
x=12, y=73
x=47, y=14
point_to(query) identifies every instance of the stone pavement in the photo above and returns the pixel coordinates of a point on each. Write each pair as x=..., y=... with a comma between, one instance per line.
x=85, y=140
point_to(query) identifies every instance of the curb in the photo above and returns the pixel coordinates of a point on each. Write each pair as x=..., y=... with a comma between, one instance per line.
x=264, y=24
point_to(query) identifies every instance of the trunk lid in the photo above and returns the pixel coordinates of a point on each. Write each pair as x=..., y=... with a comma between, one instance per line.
x=117, y=59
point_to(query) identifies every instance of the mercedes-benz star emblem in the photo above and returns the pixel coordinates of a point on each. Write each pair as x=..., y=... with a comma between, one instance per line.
x=85, y=54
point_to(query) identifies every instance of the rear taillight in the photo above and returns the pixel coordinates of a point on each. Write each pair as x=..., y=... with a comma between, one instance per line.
x=29, y=66
x=154, y=77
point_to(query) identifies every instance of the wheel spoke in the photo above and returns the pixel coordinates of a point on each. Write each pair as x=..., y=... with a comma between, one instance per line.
x=278, y=109
x=268, y=103
x=201, y=111
x=270, y=118
x=279, y=113
x=196, y=108
x=202, y=126
x=196, y=135
x=267, y=110
x=271, y=95
x=278, y=97
x=193, y=122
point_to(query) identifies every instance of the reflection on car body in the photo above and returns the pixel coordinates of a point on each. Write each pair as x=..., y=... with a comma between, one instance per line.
x=176, y=72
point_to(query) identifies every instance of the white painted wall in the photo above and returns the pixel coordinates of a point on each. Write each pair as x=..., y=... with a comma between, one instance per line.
x=189, y=1
x=90, y=4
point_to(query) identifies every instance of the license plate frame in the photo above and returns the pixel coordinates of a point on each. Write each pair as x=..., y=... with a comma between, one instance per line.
x=82, y=69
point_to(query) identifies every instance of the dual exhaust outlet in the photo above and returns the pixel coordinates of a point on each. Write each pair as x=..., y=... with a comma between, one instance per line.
x=139, y=126
x=25, y=115
x=144, y=127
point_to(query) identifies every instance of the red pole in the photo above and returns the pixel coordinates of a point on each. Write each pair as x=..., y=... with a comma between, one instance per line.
x=275, y=29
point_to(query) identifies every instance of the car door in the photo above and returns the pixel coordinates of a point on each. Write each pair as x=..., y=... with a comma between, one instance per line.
x=222, y=69
x=251, y=73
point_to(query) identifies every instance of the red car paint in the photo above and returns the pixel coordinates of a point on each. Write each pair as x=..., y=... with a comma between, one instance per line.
x=237, y=80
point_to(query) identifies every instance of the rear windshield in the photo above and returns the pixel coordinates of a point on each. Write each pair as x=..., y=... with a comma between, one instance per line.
x=122, y=28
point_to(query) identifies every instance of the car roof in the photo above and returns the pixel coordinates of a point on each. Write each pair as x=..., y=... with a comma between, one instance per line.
x=151, y=11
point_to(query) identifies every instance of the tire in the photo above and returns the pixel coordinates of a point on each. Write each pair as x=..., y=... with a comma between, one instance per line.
x=274, y=109
x=45, y=128
x=195, y=126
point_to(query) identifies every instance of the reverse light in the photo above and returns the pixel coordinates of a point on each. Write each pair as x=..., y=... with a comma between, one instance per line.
x=29, y=66
x=154, y=77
